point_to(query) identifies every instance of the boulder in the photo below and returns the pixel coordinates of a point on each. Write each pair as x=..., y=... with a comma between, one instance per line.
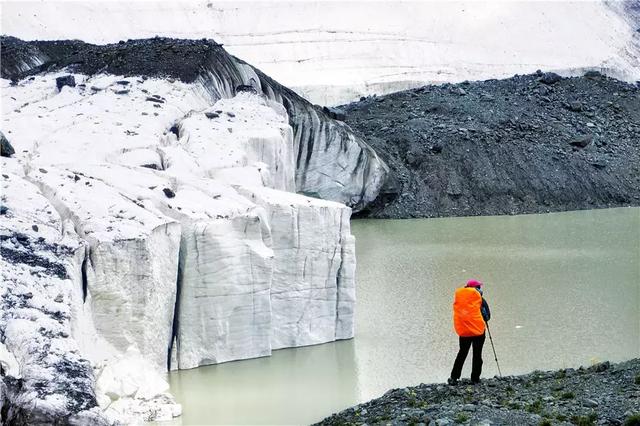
x=65, y=80
x=581, y=141
x=550, y=78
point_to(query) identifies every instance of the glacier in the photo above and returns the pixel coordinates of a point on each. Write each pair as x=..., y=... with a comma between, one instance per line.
x=172, y=206
x=327, y=52
x=152, y=224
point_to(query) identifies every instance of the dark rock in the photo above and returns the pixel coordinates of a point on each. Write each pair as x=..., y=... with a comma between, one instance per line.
x=49, y=267
x=121, y=92
x=593, y=74
x=575, y=106
x=414, y=158
x=123, y=82
x=6, y=150
x=335, y=113
x=454, y=188
x=65, y=80
x=34, y=227
x=211, y=115
x=230, y=114
x=600, y=367
x=436, y=148
x=581, y=141
x=246, y=88
x=169, y=193
x=550, y=78
x=590, y=403
x=154, y=99
x=150, y=166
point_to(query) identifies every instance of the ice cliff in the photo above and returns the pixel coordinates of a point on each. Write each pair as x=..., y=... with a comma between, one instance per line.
x=152, y=223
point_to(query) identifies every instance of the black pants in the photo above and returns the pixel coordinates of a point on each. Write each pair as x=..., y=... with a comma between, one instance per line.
x=476, y=368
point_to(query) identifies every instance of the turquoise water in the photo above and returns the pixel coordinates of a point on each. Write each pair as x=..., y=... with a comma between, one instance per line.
x=564, y=290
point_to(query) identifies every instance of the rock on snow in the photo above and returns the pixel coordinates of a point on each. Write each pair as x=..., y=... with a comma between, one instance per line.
x=143, y=235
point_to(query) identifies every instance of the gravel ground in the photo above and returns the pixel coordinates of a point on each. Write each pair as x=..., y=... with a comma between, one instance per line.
x=528, y=144
x=604, y=394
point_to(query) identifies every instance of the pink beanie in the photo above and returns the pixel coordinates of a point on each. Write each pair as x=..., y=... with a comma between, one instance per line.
x=474, y=283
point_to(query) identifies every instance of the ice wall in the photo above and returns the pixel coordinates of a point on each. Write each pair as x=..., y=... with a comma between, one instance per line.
x=311, y=284
x=333, y=52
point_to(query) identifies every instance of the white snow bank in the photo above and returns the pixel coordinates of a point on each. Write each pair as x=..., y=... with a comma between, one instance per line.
x=245, y=133
x=333, y=52
x=39, y=287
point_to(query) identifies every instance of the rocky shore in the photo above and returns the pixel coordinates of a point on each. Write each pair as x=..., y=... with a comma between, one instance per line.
x=603, y=394
x=527, y=144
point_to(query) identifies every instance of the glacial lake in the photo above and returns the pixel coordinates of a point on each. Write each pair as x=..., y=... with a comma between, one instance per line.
x=564, y=290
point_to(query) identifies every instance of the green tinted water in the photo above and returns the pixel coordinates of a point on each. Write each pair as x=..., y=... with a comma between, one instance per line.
x=564, y=290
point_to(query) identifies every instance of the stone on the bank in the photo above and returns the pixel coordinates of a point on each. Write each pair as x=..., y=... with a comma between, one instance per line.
x=590, y=403
x=550, y=78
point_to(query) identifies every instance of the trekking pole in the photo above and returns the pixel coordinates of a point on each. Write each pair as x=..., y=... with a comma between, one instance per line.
x=494, y=349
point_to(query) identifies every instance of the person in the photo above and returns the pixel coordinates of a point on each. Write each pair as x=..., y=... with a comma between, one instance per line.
x=470, y=313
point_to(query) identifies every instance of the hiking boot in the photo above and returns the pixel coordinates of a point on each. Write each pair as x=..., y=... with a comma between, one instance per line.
x=452, y=382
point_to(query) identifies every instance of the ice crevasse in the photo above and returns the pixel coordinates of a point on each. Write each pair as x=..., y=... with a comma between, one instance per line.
x=149, y=225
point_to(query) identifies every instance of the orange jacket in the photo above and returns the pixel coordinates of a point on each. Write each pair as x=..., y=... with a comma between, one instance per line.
x=467, y=316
